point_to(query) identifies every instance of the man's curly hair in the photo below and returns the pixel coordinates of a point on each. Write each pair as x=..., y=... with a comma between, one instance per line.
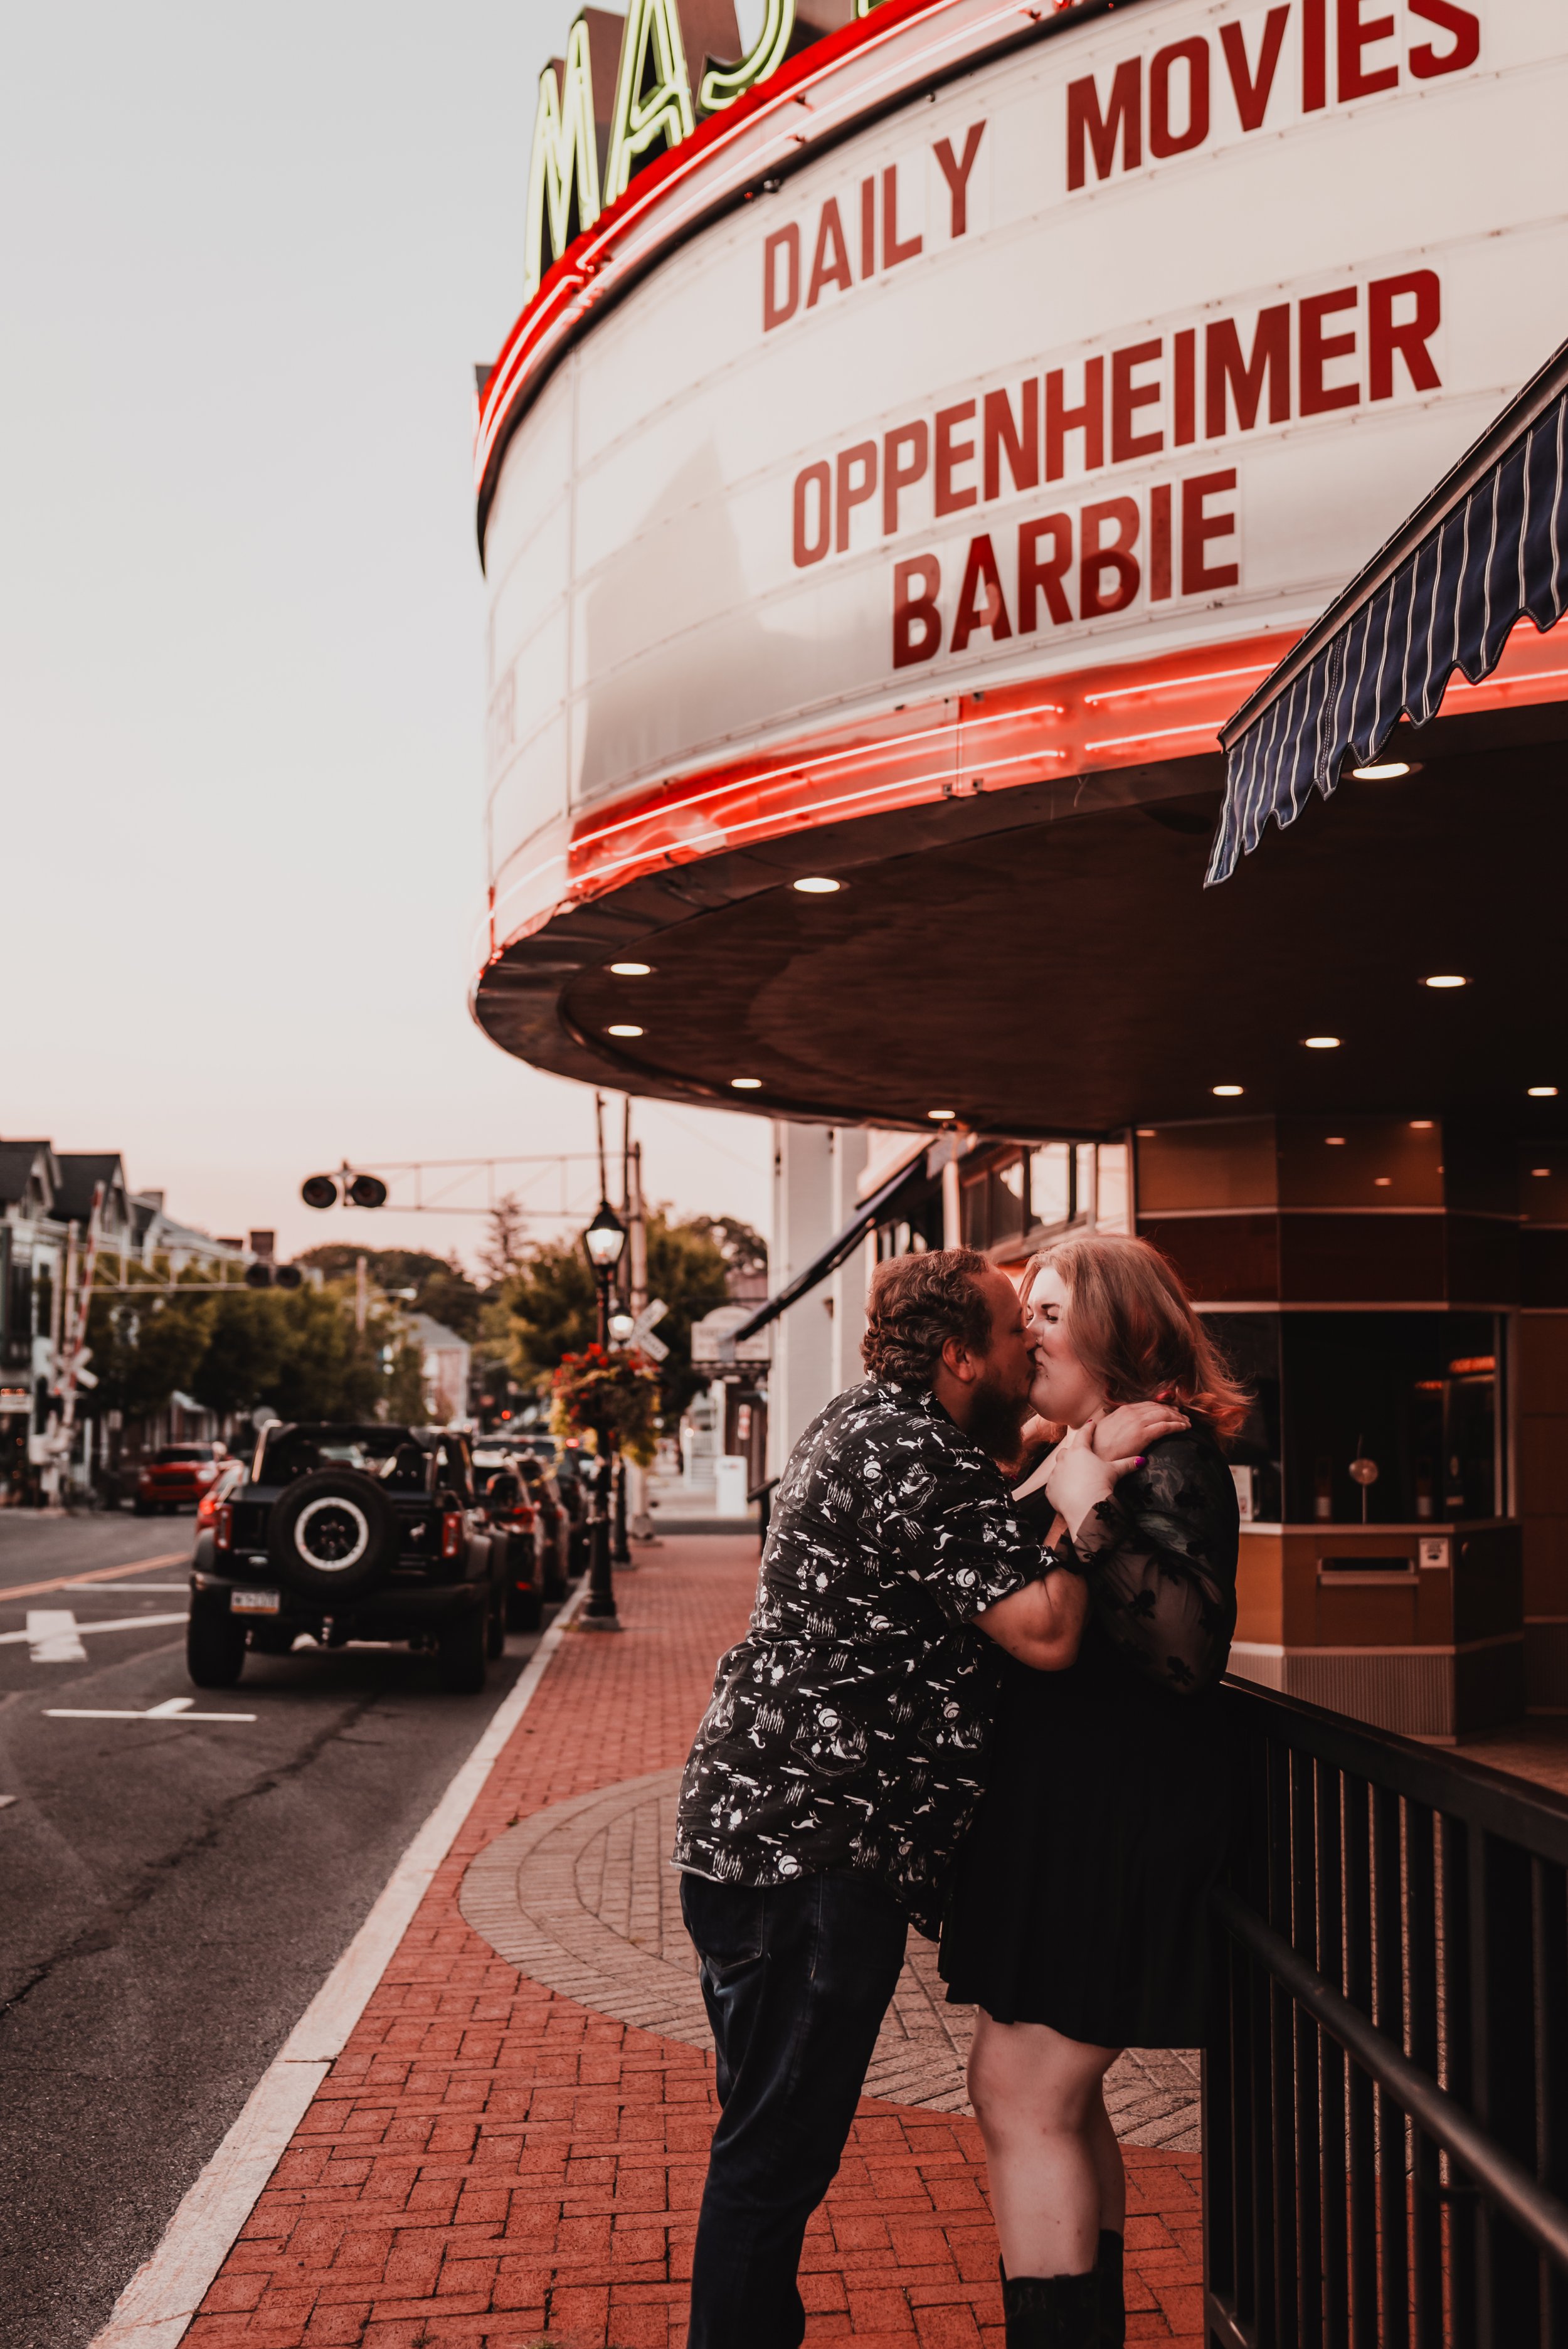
x=916, y=1304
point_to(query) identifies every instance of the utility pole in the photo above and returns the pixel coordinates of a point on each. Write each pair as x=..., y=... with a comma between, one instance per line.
x=637, y=1227
x=361, y=1294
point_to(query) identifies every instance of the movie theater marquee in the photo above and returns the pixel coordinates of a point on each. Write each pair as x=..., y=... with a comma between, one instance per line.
x=1142, y=336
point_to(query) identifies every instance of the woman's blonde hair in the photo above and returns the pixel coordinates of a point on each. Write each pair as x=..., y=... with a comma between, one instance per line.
x=1131, y=1325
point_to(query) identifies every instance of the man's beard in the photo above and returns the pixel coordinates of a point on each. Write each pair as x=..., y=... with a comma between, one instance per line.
x=997, y=1420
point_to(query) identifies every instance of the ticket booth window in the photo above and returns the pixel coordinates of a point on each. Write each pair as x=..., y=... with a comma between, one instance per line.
x=1415, y=1396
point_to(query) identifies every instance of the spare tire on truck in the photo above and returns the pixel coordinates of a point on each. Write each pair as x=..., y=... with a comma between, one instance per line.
x=333, y=1534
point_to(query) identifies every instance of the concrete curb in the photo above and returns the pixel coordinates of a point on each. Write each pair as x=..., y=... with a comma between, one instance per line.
x=164, y=2295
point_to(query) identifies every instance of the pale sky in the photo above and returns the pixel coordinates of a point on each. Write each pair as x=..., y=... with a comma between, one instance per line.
x=251, y=258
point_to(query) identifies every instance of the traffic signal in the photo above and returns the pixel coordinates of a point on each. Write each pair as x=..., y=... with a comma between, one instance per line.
x=359, y=1190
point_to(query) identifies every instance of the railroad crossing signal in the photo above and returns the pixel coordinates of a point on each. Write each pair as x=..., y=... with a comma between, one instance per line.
x=641, y=1333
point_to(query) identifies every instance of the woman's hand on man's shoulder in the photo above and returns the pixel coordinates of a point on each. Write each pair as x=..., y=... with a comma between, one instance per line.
x=1132, y=1427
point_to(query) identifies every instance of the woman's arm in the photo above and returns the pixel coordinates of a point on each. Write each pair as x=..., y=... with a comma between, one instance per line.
x=1042, y=1624
x=1159, y=1555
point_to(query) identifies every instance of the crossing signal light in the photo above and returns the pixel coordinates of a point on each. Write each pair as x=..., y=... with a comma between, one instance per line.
x=359, y=1190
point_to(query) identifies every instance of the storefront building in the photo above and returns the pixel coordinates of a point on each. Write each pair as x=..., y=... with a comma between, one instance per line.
x=914, y=452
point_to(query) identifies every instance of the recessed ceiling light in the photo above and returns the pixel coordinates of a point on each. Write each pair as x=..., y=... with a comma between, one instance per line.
x=1225, y=1093
x=1386, y=771
x=1542, y=1092
x=746, y=1084
x=1321, y=1043
x=622, y=1028
x=1382, y=1181
x=1335, y=1141
x=942, y=1115
x=1540, y=1170
x=633, y=969
x=817, y=884
x=1146, y=1133
x=1446, y=978
x=1420, y=1125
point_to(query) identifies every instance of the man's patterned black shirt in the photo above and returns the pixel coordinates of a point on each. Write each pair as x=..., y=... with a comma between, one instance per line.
x=849, y=1728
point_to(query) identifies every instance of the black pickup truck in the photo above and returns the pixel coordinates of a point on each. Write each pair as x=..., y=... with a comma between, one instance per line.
x=350, y=1533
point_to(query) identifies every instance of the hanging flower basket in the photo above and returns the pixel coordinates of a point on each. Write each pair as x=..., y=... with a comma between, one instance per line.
x=612, y=1397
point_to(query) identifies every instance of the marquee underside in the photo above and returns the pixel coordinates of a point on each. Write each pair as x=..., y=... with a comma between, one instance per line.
x=1060, y=967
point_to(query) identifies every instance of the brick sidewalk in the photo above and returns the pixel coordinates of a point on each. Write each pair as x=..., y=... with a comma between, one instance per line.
x=492, y=2166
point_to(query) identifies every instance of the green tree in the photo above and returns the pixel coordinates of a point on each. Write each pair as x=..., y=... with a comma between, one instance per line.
x=441, y=1288
x=326, y=1369
x=742, y=1249
x=143, y=1351
x=245, y=1351
x=551, y=1301
x=505, y=1249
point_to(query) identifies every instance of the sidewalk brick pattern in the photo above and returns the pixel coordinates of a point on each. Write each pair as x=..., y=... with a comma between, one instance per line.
x=493, y=2164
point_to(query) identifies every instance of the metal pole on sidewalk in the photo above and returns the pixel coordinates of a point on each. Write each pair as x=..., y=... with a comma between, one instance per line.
x=602, y=1243
x=642, y=1521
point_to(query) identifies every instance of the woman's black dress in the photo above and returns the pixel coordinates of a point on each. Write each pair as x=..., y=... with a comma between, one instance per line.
x=1081, y=1894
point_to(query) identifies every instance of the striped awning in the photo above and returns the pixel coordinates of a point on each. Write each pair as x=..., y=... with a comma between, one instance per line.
x=1487, y=547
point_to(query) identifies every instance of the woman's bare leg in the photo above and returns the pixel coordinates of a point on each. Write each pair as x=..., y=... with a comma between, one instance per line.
x=1055, y=2166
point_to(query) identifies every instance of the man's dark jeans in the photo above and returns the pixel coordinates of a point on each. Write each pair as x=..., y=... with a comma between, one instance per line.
x=796, y=1978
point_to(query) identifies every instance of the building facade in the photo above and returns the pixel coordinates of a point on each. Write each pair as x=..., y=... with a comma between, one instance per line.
x=51, y=1203
x=914, y=451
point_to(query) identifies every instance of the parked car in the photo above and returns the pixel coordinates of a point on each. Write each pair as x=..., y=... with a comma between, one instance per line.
x=555, y=1518
x=532, y=1458
x=177, y=1476
x=576, y=1474
x=230, y=1474
x=368, y=1533
x=517, y=1527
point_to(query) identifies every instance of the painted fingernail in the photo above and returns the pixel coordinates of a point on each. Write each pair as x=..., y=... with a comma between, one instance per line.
x=1139, y=1461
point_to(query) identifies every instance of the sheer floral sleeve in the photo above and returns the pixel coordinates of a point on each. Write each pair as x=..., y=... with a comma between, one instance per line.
x=1160, y=1559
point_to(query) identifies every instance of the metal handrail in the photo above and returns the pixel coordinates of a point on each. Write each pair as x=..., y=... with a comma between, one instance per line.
x=1541, y=2215
x=1528, y=1814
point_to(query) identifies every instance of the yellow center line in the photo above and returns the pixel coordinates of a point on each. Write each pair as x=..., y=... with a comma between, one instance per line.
x=97, y=1574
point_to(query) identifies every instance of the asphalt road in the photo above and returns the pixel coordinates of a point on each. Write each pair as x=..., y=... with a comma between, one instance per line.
x=172, y=1893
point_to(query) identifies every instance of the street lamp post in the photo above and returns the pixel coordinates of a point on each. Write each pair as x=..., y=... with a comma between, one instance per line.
x=602, y=1243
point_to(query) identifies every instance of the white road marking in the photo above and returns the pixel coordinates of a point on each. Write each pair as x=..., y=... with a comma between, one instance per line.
x=157, y=2305
x=174, y=1708
x=51, y=1633
x=75, y=1653
x=6, y=1801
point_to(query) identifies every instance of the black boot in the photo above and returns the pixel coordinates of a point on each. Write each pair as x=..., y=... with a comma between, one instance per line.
x=1113, y=2299
x=1052, y=2312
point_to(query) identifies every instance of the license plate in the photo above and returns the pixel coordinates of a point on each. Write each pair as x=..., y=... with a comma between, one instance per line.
x=254, y=1602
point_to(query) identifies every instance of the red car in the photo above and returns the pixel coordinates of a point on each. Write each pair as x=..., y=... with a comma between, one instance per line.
x=178, y=1476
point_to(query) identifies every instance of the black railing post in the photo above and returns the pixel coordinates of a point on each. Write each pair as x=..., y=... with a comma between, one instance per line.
x=1308, y=2147
x=1389, y=2010
x=1336, y=2119
x=1427, y=2215
x=1458, y=2018
x=1549, y=1942
x=1363, y=2149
